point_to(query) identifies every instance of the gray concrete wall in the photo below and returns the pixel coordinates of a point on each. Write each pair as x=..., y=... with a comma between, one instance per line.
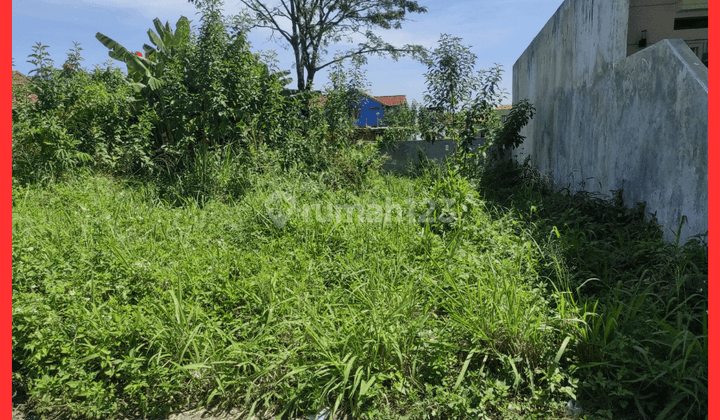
x=407, y=152
x=605, y=121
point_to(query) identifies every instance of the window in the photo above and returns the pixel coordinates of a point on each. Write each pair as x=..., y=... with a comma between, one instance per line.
x=374, y=108
x=700, y=22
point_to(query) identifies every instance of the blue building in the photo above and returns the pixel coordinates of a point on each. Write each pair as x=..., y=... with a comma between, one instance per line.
x=373, y=108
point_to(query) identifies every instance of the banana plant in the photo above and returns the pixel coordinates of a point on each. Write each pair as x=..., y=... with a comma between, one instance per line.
x=146, y=72
x=167, y=44
x=140, y=69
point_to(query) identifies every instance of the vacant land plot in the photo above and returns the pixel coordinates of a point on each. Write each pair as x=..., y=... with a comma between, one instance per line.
x=414, y=297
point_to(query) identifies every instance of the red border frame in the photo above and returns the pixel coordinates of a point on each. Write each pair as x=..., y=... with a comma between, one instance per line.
x=6, y=205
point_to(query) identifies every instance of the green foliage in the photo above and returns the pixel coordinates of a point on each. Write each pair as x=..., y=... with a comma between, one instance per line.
x=431, y=124
x=207, y=91
x=401, y=123
x=464, y=302
x=292, y=321
x=451, y=82
x=141, y=71
x=80, y=119
x=40, y=59
x=218, y=93
x=168, y=44
x=74, y=58
x=344, y=97
x=509, y=137
x=480, y=115
x=476, y=291
x=641, y=302
x=146, y=73
x=452, y=111
x=450, y=78
x=193, y=100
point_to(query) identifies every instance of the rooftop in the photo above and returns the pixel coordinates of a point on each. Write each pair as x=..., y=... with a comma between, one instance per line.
x=393, y=100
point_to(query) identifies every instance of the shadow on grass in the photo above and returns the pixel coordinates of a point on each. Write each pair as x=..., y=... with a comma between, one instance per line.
x=642, y=348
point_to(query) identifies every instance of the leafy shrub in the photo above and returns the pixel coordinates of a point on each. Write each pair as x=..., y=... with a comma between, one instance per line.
x=212, y=93
x=401, y=123
x=81, y=119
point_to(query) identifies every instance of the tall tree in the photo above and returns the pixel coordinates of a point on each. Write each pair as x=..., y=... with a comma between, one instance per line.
x=451, y=77
x=310, y=26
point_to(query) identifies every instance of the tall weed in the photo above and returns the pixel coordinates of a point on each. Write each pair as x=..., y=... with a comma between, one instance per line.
x=641, y=346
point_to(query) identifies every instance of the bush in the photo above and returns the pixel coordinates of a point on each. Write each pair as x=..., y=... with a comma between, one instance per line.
x=80, y=119
x=208, y=105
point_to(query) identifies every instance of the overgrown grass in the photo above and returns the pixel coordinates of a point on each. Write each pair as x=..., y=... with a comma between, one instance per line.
x=642, y=351
x=124, y=304
x=423, y=298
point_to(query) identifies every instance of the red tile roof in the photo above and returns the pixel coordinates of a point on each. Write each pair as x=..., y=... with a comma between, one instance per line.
x=394, y=100
x=20, y=79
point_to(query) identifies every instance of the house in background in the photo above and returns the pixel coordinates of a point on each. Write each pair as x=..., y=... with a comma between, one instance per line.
x=650, y=21
x=373, y=108
x=503, y=111
x=18, y=81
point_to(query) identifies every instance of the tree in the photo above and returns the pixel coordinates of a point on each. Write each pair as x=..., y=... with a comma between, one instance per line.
x=309, y=26
x=450, y=80
x=450, y=77
x=453, y=112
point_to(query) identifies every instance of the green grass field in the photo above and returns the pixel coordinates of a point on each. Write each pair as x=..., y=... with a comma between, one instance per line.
x=420, y=297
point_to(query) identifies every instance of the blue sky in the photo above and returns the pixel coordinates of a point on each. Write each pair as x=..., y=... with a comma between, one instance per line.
x=498, y=31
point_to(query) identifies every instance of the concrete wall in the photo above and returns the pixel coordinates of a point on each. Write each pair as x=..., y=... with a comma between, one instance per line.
x=406, y=152
x=606, y=122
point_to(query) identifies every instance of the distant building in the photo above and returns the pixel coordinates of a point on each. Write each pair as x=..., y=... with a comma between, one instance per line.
x=373, y=108
x=503, y=111
x=19, y=80
x=651, y=21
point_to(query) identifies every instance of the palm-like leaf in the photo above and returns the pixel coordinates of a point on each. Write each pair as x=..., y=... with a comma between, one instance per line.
x=147, y=71
x=182, y=32
x=139, y=69
x=149, y=50
x=157, y=39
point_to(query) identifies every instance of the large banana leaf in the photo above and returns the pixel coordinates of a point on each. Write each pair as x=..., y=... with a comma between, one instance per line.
x=162, y=31
x=147, y=71
x=165, y=40
x=149, y=51
x=157, y=39
x=182, y=32
x=139, y=69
